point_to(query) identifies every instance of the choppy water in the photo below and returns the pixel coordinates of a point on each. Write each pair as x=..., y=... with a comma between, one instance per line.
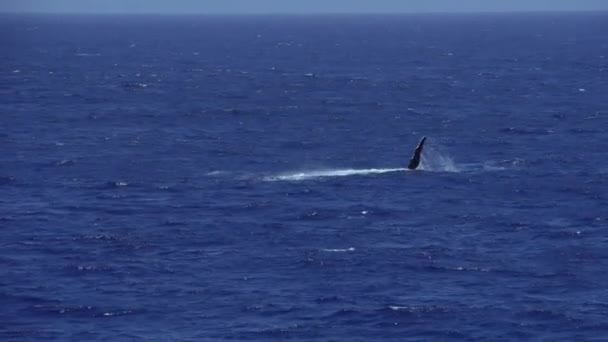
x=242, y=178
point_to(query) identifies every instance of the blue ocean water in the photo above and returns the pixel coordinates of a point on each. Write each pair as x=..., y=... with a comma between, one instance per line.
x=205, y=178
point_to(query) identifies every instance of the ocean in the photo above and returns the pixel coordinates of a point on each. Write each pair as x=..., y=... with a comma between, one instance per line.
x=243, y=178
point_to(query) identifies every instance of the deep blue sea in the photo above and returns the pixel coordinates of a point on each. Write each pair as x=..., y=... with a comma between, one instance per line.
x=208, y=178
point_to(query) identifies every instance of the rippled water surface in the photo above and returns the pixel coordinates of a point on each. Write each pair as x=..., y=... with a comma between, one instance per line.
x=242, y=178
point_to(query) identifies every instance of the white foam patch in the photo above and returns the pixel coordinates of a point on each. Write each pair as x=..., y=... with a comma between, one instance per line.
x=330, y=173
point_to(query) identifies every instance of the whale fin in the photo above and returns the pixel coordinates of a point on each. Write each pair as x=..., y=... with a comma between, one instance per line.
x=415, y=161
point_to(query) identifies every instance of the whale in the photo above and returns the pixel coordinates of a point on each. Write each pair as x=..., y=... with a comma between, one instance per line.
x=415, y=160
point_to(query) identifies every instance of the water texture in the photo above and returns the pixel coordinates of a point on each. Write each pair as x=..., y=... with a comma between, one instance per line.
x=205, y=178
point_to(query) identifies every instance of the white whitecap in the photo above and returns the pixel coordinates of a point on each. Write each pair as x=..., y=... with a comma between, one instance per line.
x=216, y=173
x=339, y=250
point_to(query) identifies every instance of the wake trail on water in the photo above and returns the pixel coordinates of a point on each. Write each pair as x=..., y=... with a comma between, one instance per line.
x=296, y=176
x=433, y=160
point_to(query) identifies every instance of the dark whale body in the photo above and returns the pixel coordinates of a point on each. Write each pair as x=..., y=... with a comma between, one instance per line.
x=415, y=161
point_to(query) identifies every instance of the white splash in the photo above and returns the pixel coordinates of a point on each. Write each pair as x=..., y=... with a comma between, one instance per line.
x=434, y=160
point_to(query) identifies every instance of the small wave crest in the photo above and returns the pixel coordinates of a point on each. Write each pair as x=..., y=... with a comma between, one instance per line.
x=339, y=250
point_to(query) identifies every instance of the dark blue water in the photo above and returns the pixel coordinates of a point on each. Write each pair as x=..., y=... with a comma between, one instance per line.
x=241, y=178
